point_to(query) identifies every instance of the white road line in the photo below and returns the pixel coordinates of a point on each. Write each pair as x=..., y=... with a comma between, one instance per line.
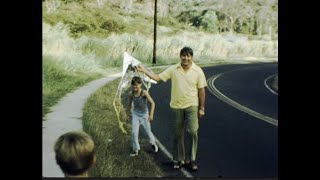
x=169, y=155
x=265, y=83
x=224, y=98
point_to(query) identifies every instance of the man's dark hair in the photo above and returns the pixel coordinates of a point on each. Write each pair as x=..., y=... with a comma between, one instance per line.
x=186, y=50
x=136, y=79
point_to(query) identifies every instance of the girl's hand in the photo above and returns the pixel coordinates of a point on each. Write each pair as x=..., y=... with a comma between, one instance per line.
x=150, y=118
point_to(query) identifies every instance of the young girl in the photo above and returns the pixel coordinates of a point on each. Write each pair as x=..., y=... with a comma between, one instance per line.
x=140, y=114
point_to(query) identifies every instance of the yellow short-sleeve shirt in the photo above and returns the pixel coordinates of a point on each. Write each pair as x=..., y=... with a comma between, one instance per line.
x=185, y=85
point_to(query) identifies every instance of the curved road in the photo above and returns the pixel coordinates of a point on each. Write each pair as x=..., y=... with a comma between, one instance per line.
x=232, y=142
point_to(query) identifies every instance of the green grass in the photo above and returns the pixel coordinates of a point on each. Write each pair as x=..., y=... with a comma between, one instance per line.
x=57, y=82
x=89, y=20
x=113, y=146
x=97, y=54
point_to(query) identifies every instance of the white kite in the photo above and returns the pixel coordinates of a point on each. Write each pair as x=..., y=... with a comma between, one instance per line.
x=128, y=72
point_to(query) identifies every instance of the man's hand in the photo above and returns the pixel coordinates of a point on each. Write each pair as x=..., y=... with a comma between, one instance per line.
x=201, y=113
x=140, y=68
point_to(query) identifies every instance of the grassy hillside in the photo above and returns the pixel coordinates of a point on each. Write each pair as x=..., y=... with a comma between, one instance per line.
x=107, y=30
x=90, y=20
x=82, y=37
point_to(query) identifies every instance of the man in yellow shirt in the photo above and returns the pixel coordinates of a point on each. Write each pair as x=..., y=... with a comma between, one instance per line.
x=187, y=104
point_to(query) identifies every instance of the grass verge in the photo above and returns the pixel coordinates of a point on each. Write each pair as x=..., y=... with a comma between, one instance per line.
x=57, y=82
x=112, y=146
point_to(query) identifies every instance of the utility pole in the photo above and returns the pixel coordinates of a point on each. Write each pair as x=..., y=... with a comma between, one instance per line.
x=154, y=32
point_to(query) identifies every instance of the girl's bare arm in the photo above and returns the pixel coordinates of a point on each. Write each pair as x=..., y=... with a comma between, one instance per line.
x=153, y=105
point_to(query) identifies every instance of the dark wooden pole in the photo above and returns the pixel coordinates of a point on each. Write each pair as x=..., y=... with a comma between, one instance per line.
x=154, y=33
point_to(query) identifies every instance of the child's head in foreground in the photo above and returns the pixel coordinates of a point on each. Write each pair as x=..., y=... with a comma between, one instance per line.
x=75, y=153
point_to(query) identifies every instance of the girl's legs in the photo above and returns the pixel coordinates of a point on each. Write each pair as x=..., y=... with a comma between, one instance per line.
x=135, y=132
x=147, y=127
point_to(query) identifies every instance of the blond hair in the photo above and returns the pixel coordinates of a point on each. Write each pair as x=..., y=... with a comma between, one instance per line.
x=74, y=152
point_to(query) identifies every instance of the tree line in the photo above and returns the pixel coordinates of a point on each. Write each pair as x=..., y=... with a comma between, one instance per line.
x=252, y=17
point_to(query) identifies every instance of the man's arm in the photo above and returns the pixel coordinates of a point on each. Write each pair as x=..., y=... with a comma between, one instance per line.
x=202, y=98
x=148, y=73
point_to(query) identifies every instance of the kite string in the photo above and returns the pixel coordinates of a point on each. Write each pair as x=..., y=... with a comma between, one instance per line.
x=117, y=109
x=146, y=84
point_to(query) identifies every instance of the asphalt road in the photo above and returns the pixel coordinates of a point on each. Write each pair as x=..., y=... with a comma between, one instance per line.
x=232, y=143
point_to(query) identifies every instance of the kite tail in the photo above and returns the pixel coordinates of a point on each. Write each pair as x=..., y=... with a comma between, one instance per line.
x=118, y=116
x=117, y=110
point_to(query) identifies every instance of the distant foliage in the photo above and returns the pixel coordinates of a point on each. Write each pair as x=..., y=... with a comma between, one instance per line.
x=209, y=22
x=91, y=36
x=103, y=17
x=69, y=1
x=52, y=6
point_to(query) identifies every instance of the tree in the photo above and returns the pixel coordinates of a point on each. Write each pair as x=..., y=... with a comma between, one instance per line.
x=233, y=10
x=209, y=21
x=266, y=16
x=162, y=8
x=100, y=3
x=52, y=5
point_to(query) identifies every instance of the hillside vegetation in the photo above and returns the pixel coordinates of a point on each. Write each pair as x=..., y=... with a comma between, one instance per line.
x=104, y=29
x=89, y=37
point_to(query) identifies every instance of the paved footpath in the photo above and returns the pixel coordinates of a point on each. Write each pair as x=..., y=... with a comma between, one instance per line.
x=65, y=116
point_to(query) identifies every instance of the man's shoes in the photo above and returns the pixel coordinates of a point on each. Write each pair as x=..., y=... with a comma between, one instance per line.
x=187, y=162
x=134, y=153
x=193, y=166
x=155, y=147
x=177, y=165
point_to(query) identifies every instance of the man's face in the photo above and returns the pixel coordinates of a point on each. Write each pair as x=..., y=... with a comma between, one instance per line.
x=186, y=59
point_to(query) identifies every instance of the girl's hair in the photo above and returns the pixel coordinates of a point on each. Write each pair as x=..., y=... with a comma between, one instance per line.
x=136, y=79
x=74, y=152
x=186, y=50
